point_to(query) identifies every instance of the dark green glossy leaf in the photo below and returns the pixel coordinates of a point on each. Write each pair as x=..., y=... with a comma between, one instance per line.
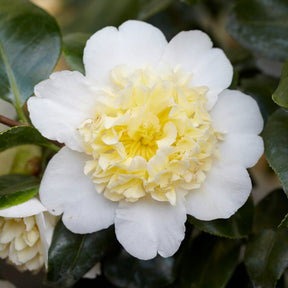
x=238, y=225
x=91, y=16
x=73, y=47
x=191, y=2
x=20, y=135
x=209, y=262
x=72, y=255
x=266, y=257
x=275, y=137
x=280, y=96
x=284, y=222
x=16, y=189
x=270, y=211
x=125, y=271
x=30, y=45
x=148, y=8
x=261, y=88
x=240, y=278
x=261, y=26
x=27, y=160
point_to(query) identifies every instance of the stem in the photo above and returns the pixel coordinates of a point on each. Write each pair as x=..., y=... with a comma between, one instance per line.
x=21, y=115
x=11, y=123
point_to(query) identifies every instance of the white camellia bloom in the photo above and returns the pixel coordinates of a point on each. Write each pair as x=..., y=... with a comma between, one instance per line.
x=25, y=235
x=151, y=135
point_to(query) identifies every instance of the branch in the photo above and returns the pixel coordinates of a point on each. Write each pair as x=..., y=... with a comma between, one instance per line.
x=11, y=123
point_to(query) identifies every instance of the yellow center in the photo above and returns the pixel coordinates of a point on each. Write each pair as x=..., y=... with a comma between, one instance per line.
x=151, y=136
x=20, y=243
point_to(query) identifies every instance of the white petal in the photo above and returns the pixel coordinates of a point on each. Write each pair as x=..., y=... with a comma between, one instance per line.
x=61, y=104
x=65, y=188
x=236, y=112
x=243, y=148
x=193, y=51
x=28, y=208
x=223, y=192
x=147, y=227
x=134, y=44
x=46, y=224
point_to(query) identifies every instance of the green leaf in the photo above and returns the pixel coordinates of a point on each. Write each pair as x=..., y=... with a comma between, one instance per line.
x=209, y=262
x=91, y=16
x=270, y=211
x=261, y=26
x=30, y=45
x=266, y=257
x=261, y=88
x=280, y=96
x=20, y=135
x=191, y=2
x=16, y=189
x=27, y=160
x=123, y=270
x=73, y=47
x=284, y=222
x=238, y=225
x=148, y=8
x=240, y=278
x=72, y=255
x=275, y=137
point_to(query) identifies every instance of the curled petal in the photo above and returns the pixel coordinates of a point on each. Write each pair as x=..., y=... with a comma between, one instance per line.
x=147, y=227
x=236, y=112
x=61, y=104
x=26, y=209
x=66, y=189
x=225, y=190
x=192, y=50
x=135, y=43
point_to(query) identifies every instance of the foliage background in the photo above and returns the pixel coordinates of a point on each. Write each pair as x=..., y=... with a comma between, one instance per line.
x=248, y=250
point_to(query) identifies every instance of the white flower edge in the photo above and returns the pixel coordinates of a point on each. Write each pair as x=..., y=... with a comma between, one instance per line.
x=45, y=221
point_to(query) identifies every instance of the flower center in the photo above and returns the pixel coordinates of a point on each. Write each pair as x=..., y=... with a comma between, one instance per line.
x=20, y=243
x=151, y=136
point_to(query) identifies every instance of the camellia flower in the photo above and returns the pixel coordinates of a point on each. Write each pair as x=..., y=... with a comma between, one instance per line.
x=151, y=135
x=25, y=235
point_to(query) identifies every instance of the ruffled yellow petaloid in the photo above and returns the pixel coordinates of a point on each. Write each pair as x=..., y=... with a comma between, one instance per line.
x=20, y=243
x=151, y=135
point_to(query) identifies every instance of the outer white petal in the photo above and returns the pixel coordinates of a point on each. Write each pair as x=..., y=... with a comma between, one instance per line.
x=245, y=149
x=28, y=208
x=66, y=189
x=134, y=44
x=46, y=224
x=236, y=112
x=147, y=227
x=193, y=51
x=61, y=104
x=224, y=191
